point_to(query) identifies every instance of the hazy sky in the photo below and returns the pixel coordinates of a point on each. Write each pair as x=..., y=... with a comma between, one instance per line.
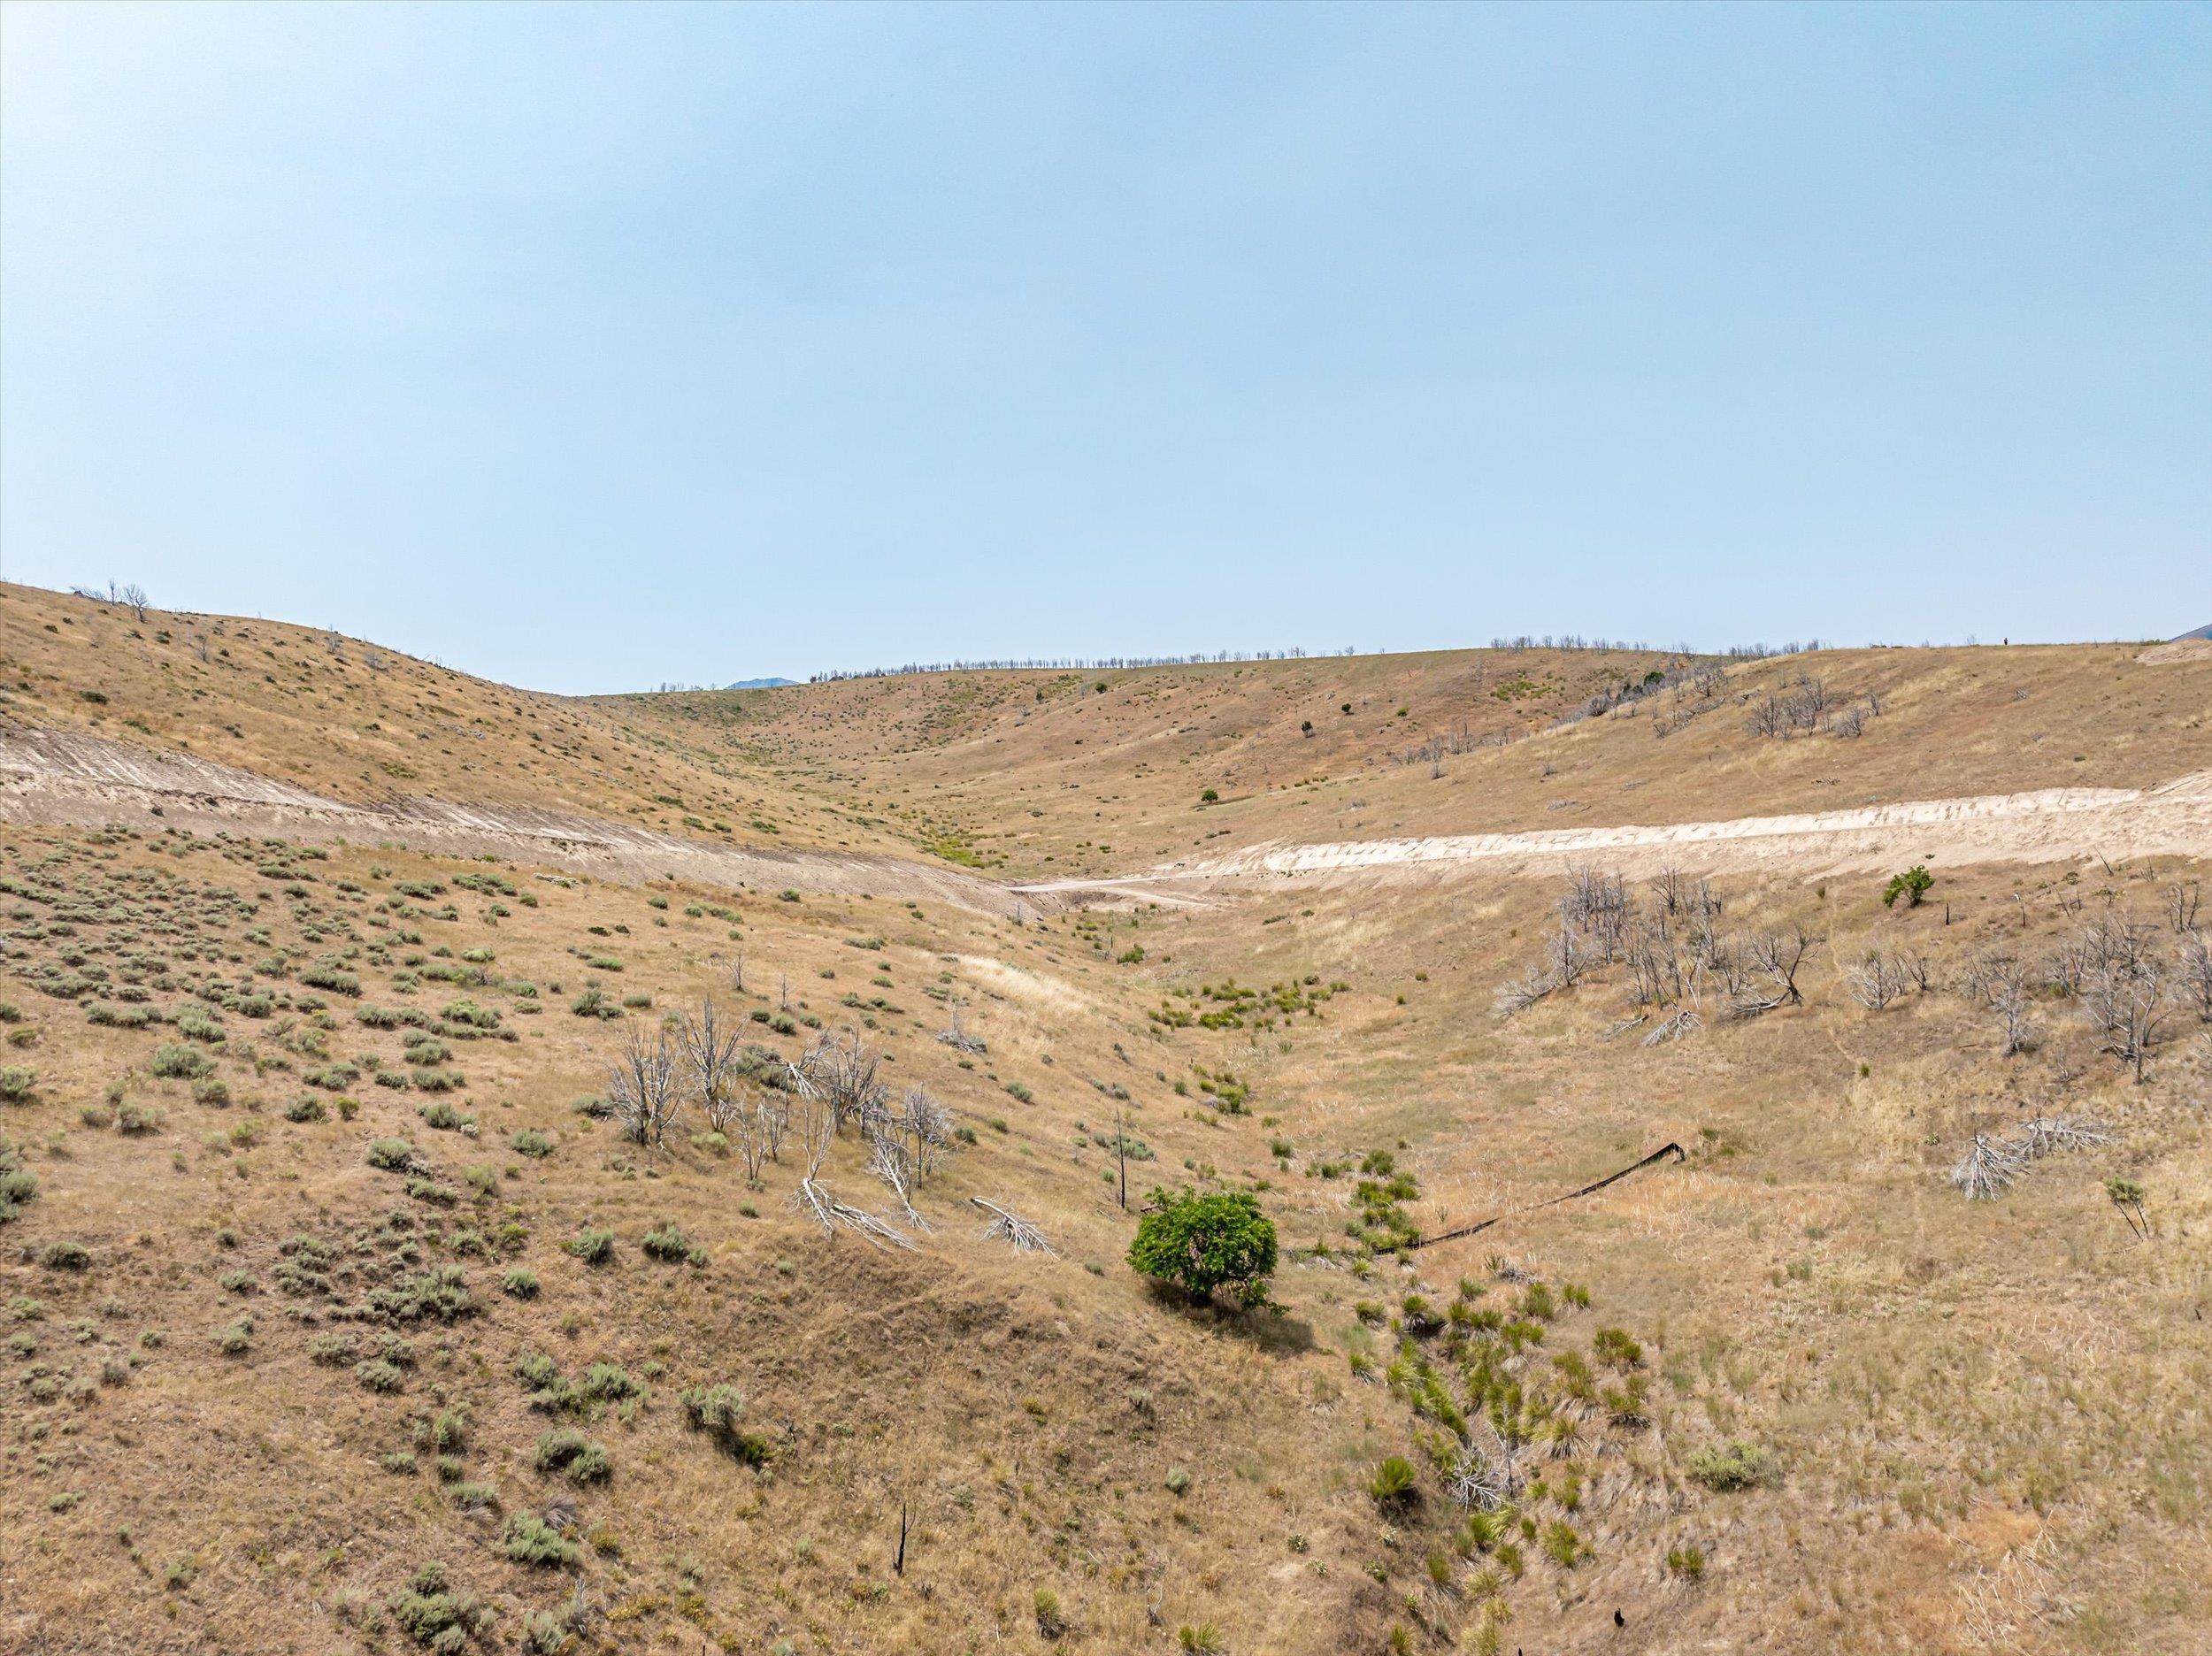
x=592, y=347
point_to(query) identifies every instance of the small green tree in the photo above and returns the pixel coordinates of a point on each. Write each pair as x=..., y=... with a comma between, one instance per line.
x=2128, y=1197
x=1912, y=886
x=1202, y=1244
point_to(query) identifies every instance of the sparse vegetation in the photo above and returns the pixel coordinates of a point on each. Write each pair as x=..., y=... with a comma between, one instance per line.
x=376, y=1205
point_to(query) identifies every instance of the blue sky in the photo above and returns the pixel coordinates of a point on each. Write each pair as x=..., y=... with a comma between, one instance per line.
x=593, y=346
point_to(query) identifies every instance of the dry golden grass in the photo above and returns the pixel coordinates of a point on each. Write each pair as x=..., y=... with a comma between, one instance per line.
x=352, y=722
x=1045, y=774
x=1986, y=1419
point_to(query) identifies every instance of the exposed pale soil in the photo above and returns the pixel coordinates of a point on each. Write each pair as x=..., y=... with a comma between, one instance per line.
x=2049, y=825
x=56, y=779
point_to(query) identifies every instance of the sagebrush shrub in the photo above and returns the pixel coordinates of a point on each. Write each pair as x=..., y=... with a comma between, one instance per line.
x=531, y=1540
x=378, y=1376
x=568, y=1451
x=716, y=1410
x=174, y=1060
x=1735, y=1466
x=591, y=1244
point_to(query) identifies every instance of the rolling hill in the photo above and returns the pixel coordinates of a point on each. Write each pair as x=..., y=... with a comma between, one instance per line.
x=345, y=1315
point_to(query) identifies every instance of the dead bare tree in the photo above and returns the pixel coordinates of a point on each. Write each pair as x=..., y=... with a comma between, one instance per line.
x=1875, y=981
x=749, y=1130
x=2181, y=906
x=2000, y=983
x=926, y=1129
x=643, y=1092
x=1809, y=704
x=1570, y=957
x=815, y=1116
x=1777, y=955
x=906, y=1143
x=2066, y=967
x=1597, y=907
x=2050, y=1134
x=771, y=1113
x=841, y=1069
x=2196, y=972
x=887, y=1161
x=959, y=1040
x=711, y=1049
x=2127, y=999
x=1768, y=718
x=1523, y=993
x=827, y=1209
x=130, y=596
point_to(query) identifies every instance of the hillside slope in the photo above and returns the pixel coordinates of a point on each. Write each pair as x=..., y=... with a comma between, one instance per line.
x=352, y=721
x=1054, y=775
x=343, y=1317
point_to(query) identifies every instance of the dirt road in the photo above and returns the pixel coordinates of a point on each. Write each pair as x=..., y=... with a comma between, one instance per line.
x=2054, y=824
x=52, y=777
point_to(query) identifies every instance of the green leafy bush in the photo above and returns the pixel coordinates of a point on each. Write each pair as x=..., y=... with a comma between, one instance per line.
x=378, y=1376
x=1206, y=1244
x=1912, y=886
x=19, y=1185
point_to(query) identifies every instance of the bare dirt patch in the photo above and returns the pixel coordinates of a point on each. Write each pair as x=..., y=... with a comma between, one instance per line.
x=2049, y=825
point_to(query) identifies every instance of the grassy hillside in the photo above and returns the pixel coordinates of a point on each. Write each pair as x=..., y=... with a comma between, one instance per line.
x=357, y=723
x=324, y=1266
x=1044, y=774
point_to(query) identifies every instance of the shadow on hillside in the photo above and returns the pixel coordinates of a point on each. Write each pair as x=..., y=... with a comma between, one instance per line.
x=1266, y=1328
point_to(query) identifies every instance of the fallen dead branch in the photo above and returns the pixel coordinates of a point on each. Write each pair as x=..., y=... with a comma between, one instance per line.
x=1012, y=1228
x=817, y=1201
x=1665, y=1152
x=1994, y=1160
